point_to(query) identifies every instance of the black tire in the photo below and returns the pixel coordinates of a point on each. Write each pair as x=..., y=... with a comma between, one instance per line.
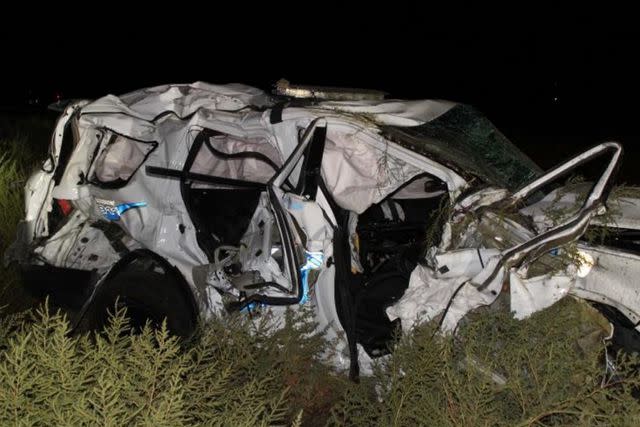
x=147, y=295
x=625, y=336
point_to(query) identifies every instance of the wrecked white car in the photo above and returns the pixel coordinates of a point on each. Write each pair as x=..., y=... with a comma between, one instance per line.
x=186, y=200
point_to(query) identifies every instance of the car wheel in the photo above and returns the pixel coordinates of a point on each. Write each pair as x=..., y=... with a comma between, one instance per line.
x=625, y=336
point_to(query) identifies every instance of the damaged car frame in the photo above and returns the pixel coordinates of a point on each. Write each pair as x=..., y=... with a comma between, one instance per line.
x=183, y=201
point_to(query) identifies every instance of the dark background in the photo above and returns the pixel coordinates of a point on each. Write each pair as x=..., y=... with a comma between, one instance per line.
x=553, y=95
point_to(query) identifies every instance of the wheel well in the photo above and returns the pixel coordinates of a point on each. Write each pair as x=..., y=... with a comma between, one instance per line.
x=142, y=260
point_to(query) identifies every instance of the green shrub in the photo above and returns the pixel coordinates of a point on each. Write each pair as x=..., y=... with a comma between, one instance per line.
x=231, y=374
x=546, y=370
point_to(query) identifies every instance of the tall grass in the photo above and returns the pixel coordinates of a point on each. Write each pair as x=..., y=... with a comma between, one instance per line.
x=23, y=146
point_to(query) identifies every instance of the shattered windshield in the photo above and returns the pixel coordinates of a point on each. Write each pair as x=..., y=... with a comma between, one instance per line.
x=465, y=140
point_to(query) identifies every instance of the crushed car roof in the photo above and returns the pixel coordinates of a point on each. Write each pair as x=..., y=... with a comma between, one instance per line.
x=184, y=100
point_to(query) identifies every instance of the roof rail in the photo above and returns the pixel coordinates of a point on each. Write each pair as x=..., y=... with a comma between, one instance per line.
x=284, y=88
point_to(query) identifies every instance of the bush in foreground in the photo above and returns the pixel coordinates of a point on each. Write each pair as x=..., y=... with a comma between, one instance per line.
x=547, y=370
x=231, y=375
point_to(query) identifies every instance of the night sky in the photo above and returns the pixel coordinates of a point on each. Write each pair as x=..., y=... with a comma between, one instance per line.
x=552, y=95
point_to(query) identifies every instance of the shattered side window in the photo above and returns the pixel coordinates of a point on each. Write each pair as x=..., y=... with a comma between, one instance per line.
x=467, y=141
x=119, y=160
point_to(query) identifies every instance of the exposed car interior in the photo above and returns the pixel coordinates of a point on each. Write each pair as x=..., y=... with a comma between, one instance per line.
x=391, y=238
x=386, y=244
x=227, y=202
x=222, y=213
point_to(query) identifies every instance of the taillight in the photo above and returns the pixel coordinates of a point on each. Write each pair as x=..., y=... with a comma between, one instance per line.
x=65, y=206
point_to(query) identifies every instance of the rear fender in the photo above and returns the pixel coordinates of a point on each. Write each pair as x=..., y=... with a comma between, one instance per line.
x=39, y=188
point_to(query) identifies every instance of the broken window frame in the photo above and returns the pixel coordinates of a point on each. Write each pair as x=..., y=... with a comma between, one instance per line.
x=275, y=188
x=102, y=149
x=310, y=146
x=574, y=226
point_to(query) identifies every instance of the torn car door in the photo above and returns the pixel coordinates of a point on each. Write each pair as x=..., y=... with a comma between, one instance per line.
x=289, y=226
x=296, y=201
